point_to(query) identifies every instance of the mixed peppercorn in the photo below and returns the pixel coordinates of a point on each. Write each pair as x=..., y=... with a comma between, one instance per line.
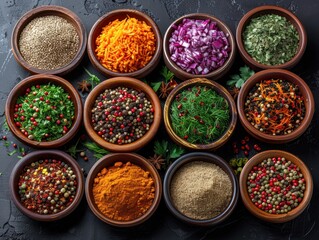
x=122, y=115
x=47, y=186
x=276, y=185
x=275, y=107
x=44, y=112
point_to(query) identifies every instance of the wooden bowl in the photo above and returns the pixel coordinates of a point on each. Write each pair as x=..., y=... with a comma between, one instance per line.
x=207, y=157
x=121, y=14
x=129, y=83
x=108, y=161
x=41, y=155
x=183, y=75
x=276, y=74
x=20, y=89
x=47, y=11
x=275, y=218
x=219, y=89
x=263, y=10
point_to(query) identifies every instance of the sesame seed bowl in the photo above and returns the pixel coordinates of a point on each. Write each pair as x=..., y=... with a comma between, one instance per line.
x=275, y=106
x=49, y=39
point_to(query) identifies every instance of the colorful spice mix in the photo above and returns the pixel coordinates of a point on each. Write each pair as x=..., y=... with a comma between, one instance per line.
x=276, y=185
x=44, y=112
x=199, y=115
x=271, y=39
x=49, y=42
x=125, y=46
x=199, y=46
x=122, y=115
x=275, y=107
x=123, y=192
x=201, y=190
x=47, y=186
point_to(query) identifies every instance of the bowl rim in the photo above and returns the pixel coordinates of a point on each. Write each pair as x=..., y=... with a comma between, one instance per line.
x=107, y=161
x=221, y=91
x=67, y=88
x=309, y=101
x=209, y=157
x=27, y=160
x=276, y=218
x=130, y=83
x=262, y=10
x=215, y=74
x=47, y=10
x=142, y=72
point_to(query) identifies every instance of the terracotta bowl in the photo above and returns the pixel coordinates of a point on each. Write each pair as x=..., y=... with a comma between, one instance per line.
x=129, y=83
x=263, y=10
x=214, y=75
x=41, y=155
x=108, y=161
x=276, y=74
x=207, y=157
x=47, y=11
x=275, y=218
x=219, y=89
x=121, y=14
x=20, y=89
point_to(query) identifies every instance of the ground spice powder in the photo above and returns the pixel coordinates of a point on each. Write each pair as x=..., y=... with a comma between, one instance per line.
x=201, y=190
x=49, y=42
x=123, y=192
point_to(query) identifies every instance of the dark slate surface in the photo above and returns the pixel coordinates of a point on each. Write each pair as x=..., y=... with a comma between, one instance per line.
x=82, y=224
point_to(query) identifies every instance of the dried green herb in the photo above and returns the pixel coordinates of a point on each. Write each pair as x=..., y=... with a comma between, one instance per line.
x=271, y=39
x=93, y=79
x=237, y=80
x=96, y=149
x=199, y=115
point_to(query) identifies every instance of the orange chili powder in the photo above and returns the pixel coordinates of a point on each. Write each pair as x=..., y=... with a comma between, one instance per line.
x=123, y=192
x=125, y=46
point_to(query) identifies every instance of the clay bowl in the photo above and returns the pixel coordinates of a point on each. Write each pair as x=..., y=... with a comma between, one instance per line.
x=263, y=10
x=219, y=89
x=121, y=14
x=47, y=11
x=183, y=75
x=41, y=155
x=40, y=79
x=207, y=157
x=275, y=218
x=129, y=83
x=108, y=161
x=276, y=74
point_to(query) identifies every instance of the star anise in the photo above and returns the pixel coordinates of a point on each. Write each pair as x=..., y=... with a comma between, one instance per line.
x=234, y=92
x=84, y=86
x=158, y=161
x=166, y=88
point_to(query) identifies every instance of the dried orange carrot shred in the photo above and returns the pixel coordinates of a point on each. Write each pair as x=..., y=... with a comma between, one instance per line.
x=125, y=46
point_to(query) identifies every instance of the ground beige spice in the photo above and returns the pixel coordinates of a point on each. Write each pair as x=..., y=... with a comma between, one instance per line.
x=201, y=190
x=49, y=42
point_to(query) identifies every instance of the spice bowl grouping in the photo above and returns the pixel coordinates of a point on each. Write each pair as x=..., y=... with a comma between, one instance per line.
x=49, y=39
x=186, y=116
x=123, y=189
x=289, y=43
x=47, y=185
x=276, y=186
x=137, y=51
x=189, y=54
x=44, y=111
x=275, y=106
x=122, y=114
x=200, y=189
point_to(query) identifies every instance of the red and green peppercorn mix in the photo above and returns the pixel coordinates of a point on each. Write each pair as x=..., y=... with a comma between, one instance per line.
x=44, y=112
x=122, y=115
x=200, y=115
x=275, y=107
x=47, y=186
x=276, y=185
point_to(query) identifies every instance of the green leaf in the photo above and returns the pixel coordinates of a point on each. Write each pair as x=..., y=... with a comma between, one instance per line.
x=175, y=152
x=93, y=79
x=156, y=85
x=5, y=126
x=13, y=152
x=166, y=73
x=161, y=148
x=98, y=151
x=237, y=80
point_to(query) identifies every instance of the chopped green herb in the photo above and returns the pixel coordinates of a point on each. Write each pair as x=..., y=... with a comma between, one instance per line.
x=93, y=79
x=5, y=126
x=237, y=80
x=12, y=152
x=271, y=39
x=6, y=144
